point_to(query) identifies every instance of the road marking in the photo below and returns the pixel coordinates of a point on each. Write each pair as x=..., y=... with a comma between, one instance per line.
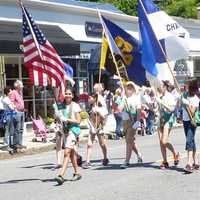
x=182, y=155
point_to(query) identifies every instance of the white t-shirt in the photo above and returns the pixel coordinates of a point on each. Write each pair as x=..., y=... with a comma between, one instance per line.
x=169, y=100
x=6, y=103
x=194, y=102
x=75, y=109
x=66, y=112
x=134, y=103
x=102, y=110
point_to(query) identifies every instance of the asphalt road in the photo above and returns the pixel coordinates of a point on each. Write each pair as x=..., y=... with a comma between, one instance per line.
x=32, y=177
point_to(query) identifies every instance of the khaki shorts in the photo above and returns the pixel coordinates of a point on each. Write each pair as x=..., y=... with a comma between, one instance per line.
x=128, y=130
x=70, y=141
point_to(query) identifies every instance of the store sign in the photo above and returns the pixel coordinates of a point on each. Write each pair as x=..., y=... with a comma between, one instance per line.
x=93, y=29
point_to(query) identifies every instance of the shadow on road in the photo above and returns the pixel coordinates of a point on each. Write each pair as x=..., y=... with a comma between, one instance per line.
x=151, y=165
x=44, y=166
x=28, y=180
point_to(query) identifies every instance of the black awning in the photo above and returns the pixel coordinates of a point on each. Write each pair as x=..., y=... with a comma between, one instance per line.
x=11, y=38
x=13, y=47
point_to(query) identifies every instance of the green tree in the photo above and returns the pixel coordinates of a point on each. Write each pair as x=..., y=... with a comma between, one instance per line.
x=181, y=8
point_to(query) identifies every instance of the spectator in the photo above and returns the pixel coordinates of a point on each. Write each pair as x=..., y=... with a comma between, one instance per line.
x=108, y=95
x=17, y=100
x=117, y=111
x=152, y=108
x=142, y=119
x=8, y=117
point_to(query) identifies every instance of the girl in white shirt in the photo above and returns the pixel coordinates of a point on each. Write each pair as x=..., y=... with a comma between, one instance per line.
x=167, y=105
x=190, y=106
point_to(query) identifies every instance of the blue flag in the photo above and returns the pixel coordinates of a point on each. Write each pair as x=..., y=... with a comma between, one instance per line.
x=69, y=70
x=69, y=73
x=126, y=49
x=162, y=37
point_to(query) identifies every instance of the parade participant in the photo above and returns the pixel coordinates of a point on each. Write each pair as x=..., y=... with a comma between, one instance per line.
x=191, y=102
x=131, y=110
x=8, y=114
x=98, y=115
x=167, y=105
x=58, y=109
x=17, y=99
x=117, y=111
x=70, y=120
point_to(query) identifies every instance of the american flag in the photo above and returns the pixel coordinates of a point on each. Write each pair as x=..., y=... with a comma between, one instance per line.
x=41, y=59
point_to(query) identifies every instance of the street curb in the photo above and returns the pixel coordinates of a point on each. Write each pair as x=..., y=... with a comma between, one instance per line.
x=32, y=151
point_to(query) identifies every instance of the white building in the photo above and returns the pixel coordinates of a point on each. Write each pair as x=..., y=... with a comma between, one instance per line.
x=74, y=29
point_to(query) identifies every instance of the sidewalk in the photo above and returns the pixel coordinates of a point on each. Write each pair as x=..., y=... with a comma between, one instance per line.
x=39, y=147
x=35, y=147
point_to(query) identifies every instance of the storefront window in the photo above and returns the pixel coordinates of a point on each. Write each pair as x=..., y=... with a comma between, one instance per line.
x=40, y=108
x=50, y=109
x=29, y=114
x=11, y=67
x=28, y=89
x=24, y=72
x=39, y=100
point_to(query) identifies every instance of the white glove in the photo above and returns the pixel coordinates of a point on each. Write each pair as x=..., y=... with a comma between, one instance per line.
x=185, y=101
x=64, y=119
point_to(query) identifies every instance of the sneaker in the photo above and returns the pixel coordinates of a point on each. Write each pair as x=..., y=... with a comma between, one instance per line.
x=140, y=160
x=7, y=148
x=124, y=165
x=19, y=146
x=188, y=169
x=196, y=166
x=164, y=165
x=105, y=162
x=87, y=165
x=176, y=159
x=59, y=179
x=76, y=177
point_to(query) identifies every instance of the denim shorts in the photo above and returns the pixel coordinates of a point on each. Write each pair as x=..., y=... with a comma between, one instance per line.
x=190, y=136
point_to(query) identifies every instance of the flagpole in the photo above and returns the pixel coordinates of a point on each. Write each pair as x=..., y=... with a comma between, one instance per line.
x=116, y=65
x=167, y=60
x=36, y=43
